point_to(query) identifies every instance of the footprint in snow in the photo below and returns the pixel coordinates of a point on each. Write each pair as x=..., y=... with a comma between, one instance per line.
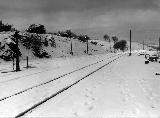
x=123, y=100
x=91, y=92
x=86, y=103
x=75, y=114
x=94, y=87
x=99, y=83
x=87, y=96
x=93, y=99
x=153, y=106
x=87, y=89
x=90, y=108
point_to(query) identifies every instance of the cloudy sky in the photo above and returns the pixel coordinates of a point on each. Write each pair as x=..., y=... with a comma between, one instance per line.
x=96, y=17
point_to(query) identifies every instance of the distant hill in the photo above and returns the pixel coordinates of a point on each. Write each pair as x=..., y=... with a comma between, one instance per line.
x=138, y=35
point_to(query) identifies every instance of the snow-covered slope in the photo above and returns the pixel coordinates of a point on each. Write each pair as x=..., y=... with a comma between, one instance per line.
x=107, y=45
x=138, y=46
x=62, y=48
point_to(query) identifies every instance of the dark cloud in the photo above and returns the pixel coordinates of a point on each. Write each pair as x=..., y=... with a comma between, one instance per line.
x=47, y=6
x=28, y=8
x=80, y=14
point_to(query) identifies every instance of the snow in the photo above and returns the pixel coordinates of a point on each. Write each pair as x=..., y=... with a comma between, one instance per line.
x=125, y=88
x=62, y=46
x=104, y=44
x=111, y=92
x=12, y=83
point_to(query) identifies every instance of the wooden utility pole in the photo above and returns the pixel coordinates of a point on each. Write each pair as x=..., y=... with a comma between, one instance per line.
x=13, y=63
x=130, y=42
x=86, y=39
x=27, y=62
x=143, y=44
x=159, y=43
x=71, y=48
x=17, y=36
x=87, y=45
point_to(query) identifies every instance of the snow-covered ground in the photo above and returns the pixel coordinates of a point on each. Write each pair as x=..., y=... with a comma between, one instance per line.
x=12, y=83
x=125, y=88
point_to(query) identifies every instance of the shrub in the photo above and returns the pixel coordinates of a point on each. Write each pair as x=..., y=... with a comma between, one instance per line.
x=122, y=44
x=12, y=45
x=115, y=39
x=41, y=54
x=34, y=42
x=45, y=42
x=39, y=29
x=5, y=27
x=14, y=49
x=7, y=55
x=83, y=38
x=53, y=43
x=95, y=43
x=45, y=54
x=27, y=41
x=70, y=34
x=107, y=38
x=67, y=34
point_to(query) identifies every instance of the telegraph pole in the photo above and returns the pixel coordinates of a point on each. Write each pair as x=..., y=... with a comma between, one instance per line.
x=143, y=44
x=159, y=43
x=87, y=45
x=130, y=42
x=17, y=36
x=27, y=62
x=86, y=38
x=13, y=63
x=71, y=48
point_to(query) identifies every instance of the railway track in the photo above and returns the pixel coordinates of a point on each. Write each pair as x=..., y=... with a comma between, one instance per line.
x=113, y=58
x=38, y=85
x=19, y=77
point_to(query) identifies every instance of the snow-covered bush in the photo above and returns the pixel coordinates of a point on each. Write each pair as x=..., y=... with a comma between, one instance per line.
x=92, y=42
x=6, y=27
x=7, y=55
x=45, y=42
x=35, y=42
x=122, y=45
x=39, y=29
x=67, y=34
x=8, y=47
x=51, y=39
x=83, y=38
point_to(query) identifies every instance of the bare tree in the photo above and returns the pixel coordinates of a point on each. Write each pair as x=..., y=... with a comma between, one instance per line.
x=107, y=38
x=115, y=39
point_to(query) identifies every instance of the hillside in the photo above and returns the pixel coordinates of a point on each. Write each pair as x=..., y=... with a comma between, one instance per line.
x=106, y=45
x=61, y=47
x=58, y=46
x=138, y=46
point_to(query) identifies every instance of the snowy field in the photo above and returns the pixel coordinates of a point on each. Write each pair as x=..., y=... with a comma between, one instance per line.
x=87, y=86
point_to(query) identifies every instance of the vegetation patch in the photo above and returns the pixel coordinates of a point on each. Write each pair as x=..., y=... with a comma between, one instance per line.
x=35, y=42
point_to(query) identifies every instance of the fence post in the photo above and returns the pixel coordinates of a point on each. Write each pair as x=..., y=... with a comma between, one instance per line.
x=159, y=43
x=13, y=63
x=130, y=43
x=71, y=48
x=27, y=62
